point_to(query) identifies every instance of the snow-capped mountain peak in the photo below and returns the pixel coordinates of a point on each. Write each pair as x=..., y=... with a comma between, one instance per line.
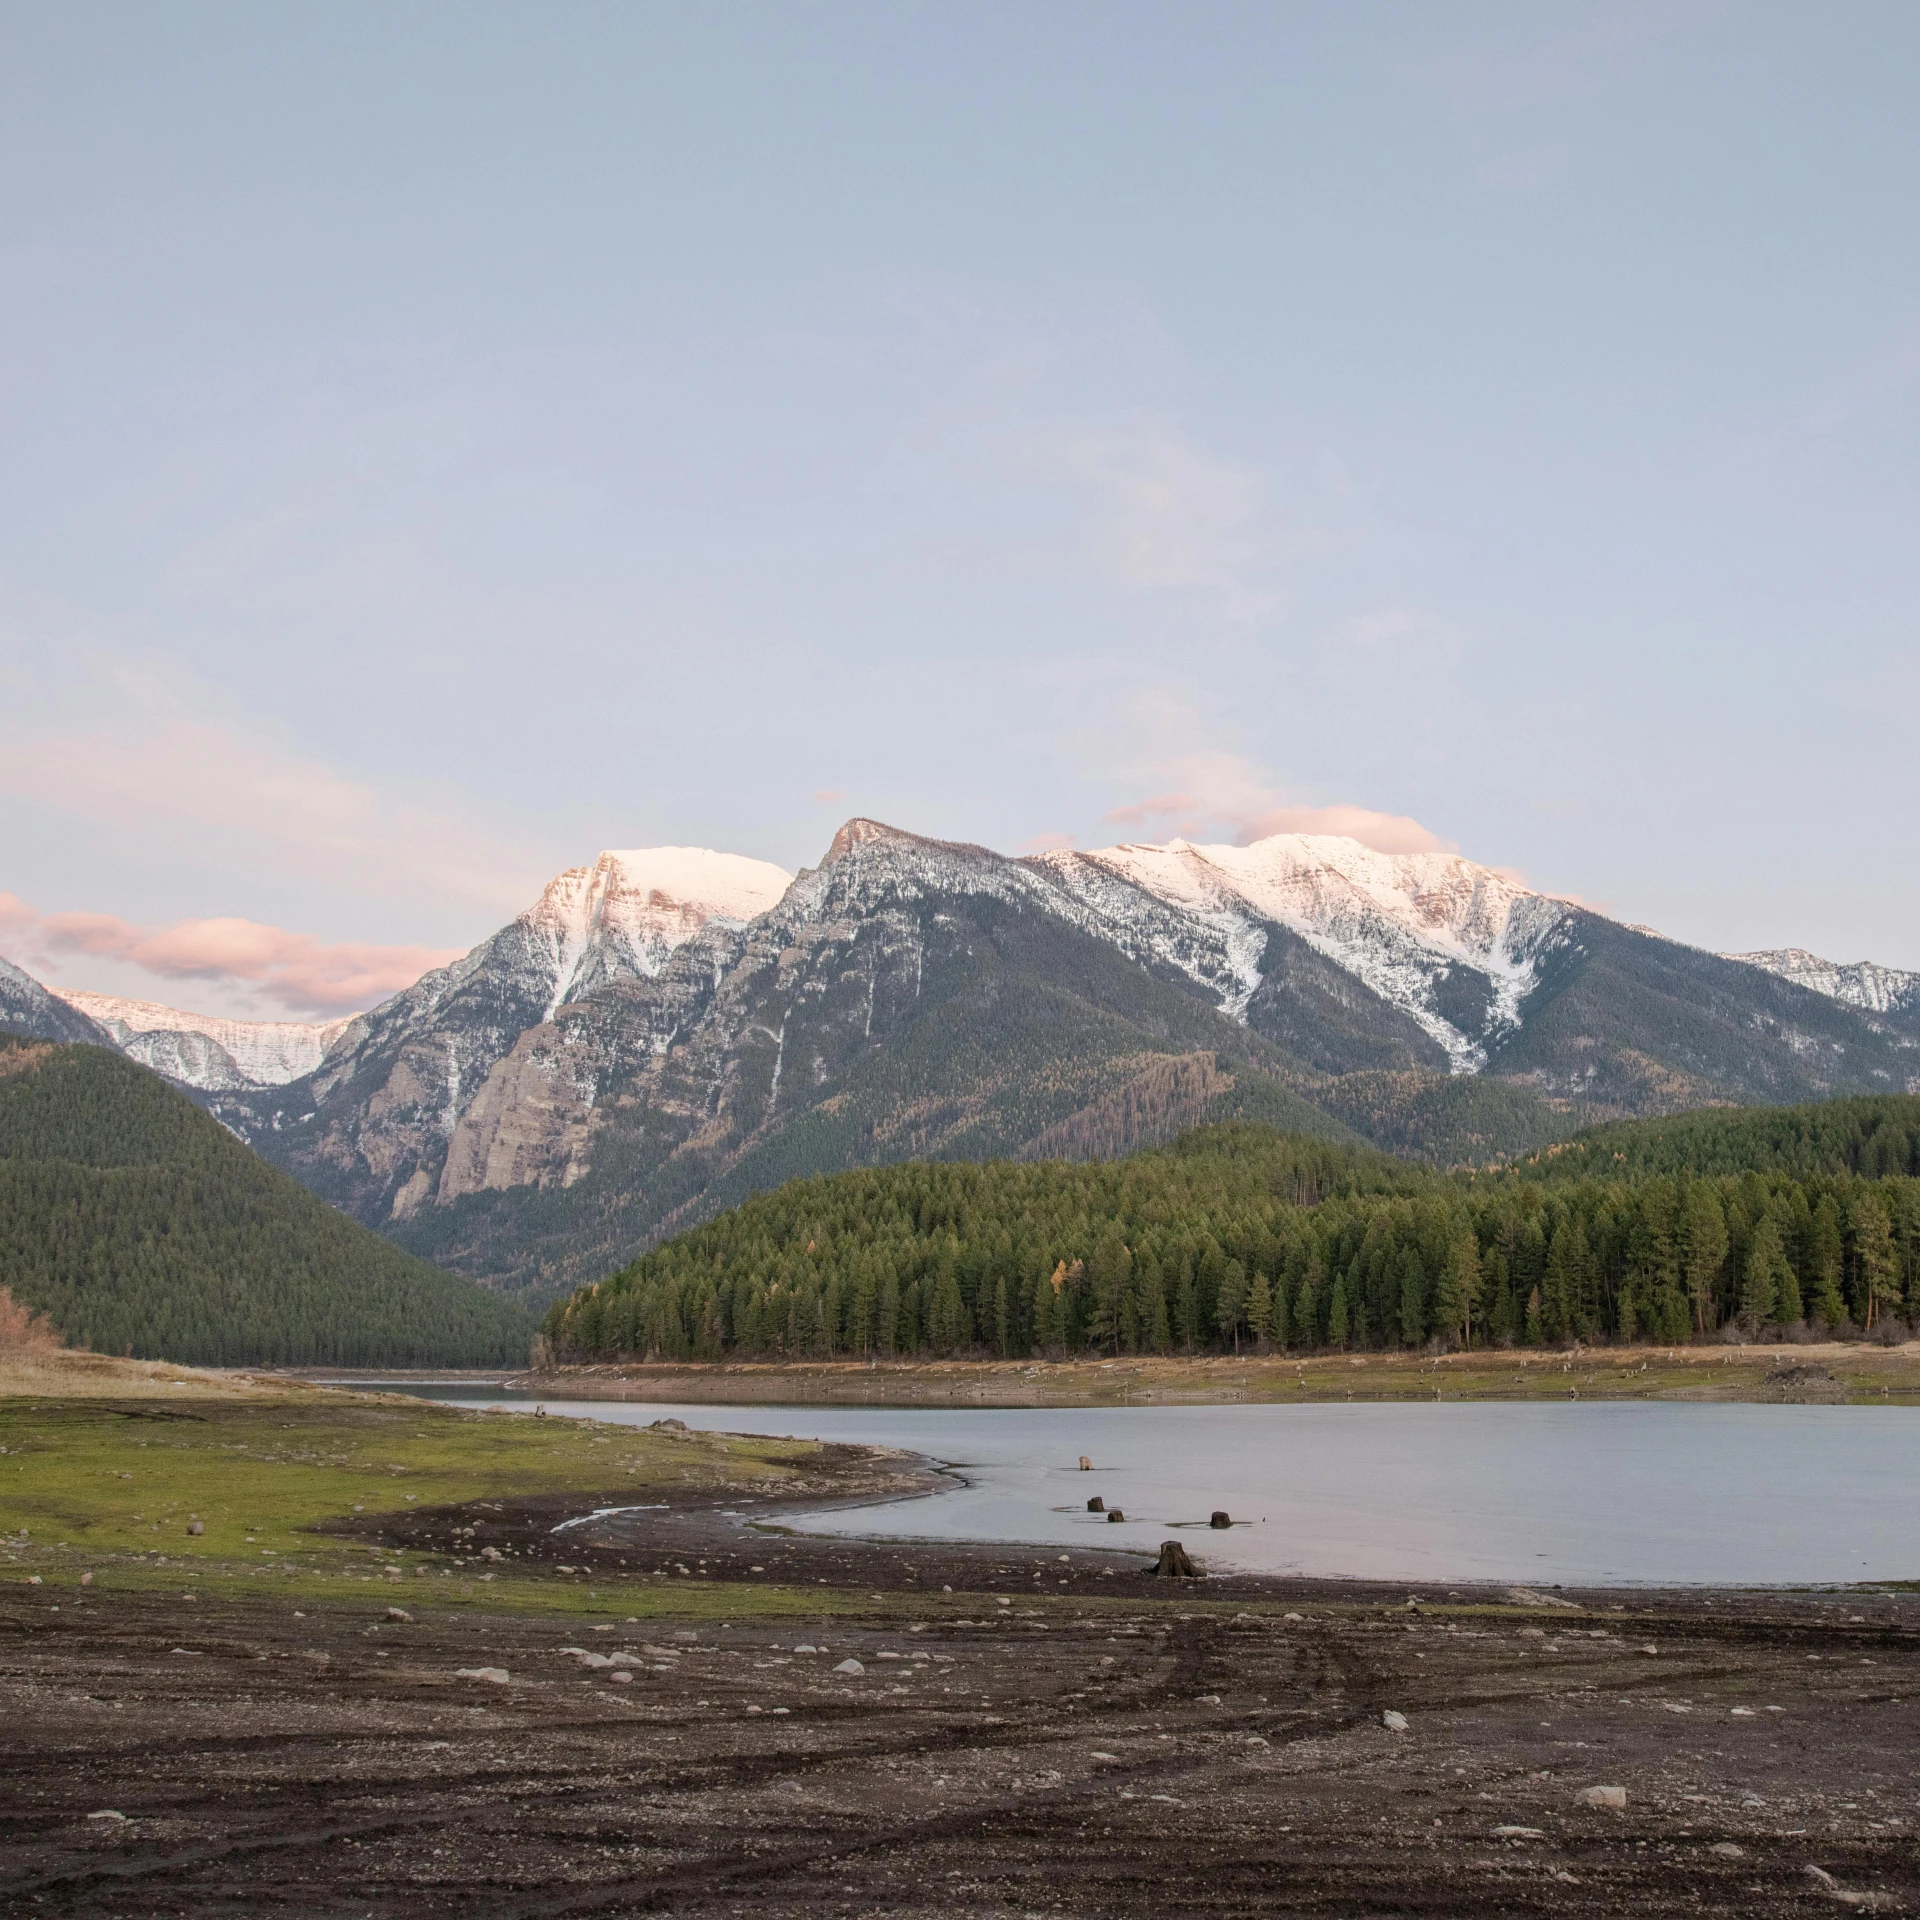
x=1864, y=984
x=623, y=915
x=1401, y=923
x=204, y=1050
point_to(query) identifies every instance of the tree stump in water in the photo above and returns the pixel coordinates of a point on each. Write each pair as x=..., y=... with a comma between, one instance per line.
x=1174, y=1564
x=1220, y=1519
x=1096, y=1505
x=1086, y=1465
x=1116, y=1514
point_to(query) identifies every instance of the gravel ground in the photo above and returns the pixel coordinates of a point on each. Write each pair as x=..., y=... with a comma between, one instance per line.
x=1026, y=1736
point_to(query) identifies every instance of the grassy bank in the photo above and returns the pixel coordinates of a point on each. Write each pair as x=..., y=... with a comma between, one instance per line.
x=143, y=1483
x=1831, y=1374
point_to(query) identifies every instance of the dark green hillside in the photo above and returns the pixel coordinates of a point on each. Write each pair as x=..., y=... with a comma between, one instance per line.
x=1874, y=1135
x=138, y=1224
x=1239, y=1236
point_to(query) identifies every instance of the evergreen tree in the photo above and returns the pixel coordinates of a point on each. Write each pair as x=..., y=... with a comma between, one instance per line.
x=1259, y=1309
x=1413, y=1298
x=1877, y=1285
x=1457, y=1291
x=1337, y=1316
x=1232, y=1297
x=1759, y=1294
x=1824, y=1256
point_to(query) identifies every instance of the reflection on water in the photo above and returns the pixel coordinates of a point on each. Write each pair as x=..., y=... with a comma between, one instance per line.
x=1576, y=1493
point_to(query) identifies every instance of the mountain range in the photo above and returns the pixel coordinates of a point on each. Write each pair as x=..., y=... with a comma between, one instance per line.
x=668, y=1030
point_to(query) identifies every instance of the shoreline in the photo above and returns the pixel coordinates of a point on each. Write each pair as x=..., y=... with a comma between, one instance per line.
x=1830, y=1373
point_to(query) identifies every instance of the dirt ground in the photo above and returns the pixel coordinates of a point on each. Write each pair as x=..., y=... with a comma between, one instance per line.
x=1028, y=1735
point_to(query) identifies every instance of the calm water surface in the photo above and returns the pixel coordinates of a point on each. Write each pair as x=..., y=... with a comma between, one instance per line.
x=1580, y=1493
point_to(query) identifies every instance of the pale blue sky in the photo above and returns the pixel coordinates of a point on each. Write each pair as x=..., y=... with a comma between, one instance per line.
x=440, y=442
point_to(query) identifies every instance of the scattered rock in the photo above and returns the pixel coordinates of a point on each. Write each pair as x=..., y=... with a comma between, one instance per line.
x=494, y=1676
x=1220, y=1518
x=1173, y=1563
x=1293, y=1616
x=1727, y=1850
x=670, y=1426
x=1394, y=1722
x=111, y=1815
x=196, y=1526
x=86, y=1579
x=622, y=1679
x=490, y=1553
x=400, y=1614
x=1096, y=1505
x=1612, y=1797
x=849, y=1666
x=1821, y=1877
x=1519, y=1833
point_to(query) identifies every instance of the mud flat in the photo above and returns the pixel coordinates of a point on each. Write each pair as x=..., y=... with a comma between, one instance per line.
x=650, y=1713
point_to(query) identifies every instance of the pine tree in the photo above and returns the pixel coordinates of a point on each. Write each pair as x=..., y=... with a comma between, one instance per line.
x=1337, y=1316
x=1758, y=1292
x=1232, y=1299
x=1259, y=1309
x=1874, y=1258
x=1536, y=1320
x=1456, y=1293
x=1825, y=1251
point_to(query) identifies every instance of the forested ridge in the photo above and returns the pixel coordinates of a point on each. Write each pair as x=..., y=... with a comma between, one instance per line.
x=139, y=1225
x=1238, y=1237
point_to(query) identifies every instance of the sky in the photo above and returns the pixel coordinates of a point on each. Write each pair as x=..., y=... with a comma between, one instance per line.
x=437, y=443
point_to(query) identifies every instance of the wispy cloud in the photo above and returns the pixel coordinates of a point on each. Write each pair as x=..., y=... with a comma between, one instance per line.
x=167, y=767
x=295, y=971
x=1199, y=789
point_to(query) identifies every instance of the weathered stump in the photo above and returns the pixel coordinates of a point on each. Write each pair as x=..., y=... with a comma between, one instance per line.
x=1096, y=1505
x=1174, y=1564
x=1220, y=1519
x=1116, y=1514
x=1086, y=1465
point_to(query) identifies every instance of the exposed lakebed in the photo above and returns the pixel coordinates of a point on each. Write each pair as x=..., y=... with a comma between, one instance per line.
x=1583, y=1494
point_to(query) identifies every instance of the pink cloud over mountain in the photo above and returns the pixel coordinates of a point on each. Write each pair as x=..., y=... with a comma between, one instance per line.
x=297, y=970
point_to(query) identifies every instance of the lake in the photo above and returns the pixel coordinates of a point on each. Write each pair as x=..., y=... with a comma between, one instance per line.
x=1588, y=1493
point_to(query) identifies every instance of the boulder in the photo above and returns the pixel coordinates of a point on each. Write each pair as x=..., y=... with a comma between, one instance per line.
x=849, y=1666
x=1394, y=1722
x=1614, y=1798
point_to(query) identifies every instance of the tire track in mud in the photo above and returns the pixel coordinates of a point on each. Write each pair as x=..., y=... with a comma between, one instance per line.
x=1187, y=1645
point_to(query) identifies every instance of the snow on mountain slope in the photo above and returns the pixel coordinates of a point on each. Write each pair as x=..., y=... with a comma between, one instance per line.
x=202, y=1050
x=621, y=917
x=1404, y=924
x=29, y=1012
x=1873, y=988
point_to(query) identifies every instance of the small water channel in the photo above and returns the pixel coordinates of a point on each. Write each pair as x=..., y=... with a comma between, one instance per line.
x=1536, y=1494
